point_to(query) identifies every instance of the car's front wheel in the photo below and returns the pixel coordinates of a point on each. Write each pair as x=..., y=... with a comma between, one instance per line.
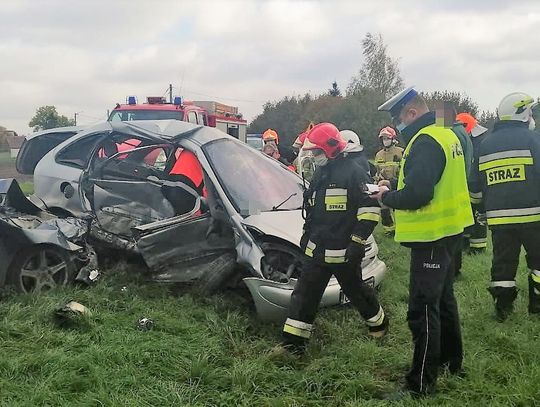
x=40, y=268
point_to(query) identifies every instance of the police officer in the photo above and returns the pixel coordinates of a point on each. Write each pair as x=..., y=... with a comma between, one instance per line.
x=340, y=217
x=509, y=173
x=432, y=209
x=387, y=161
x=475, y=235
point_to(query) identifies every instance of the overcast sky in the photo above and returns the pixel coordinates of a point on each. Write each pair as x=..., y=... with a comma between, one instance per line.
x=84, y=56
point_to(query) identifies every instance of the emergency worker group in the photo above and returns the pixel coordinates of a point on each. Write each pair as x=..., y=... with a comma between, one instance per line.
x=437, y=196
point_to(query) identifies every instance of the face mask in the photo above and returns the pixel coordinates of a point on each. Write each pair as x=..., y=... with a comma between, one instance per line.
x=320, y=160
x=532, y=124
x=387, y=142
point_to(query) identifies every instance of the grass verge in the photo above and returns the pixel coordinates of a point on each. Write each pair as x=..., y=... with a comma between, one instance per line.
x=213, y=351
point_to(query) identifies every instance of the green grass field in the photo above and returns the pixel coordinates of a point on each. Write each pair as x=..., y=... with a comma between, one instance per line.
x=7, y=170
x=213, y=352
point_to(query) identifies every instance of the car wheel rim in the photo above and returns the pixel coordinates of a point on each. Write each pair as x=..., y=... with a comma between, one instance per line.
x=43, y=271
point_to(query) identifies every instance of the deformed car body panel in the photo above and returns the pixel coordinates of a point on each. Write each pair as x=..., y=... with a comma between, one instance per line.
x=272, y=298
x=23, y=224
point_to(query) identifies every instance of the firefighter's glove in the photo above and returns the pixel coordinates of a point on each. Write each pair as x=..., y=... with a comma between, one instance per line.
x=355, y=251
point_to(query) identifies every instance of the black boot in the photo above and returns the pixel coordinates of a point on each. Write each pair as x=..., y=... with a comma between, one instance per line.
x=504, y=301
x=378, y=332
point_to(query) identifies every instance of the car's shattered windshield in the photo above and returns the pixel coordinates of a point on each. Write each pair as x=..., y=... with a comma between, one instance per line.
x=253, y=182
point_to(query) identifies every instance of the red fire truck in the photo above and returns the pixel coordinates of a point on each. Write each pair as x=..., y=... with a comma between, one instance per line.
x=207, y=113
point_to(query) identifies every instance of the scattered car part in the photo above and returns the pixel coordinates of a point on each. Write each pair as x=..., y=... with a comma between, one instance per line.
x=145, y=324
x=70, y=314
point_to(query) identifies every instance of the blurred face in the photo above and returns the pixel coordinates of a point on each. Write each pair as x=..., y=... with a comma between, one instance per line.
x=387, y=141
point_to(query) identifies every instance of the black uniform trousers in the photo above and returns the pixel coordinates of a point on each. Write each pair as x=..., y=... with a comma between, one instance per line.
x=507, y=245
x=476, y=235
x=310, y=287
x=433, y=316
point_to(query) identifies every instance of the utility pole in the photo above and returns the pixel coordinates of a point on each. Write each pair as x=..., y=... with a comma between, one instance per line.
x=170, y=92
x=76, y=118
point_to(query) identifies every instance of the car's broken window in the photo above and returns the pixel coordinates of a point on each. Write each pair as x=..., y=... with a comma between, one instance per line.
x=77, y=154
x=138, y=163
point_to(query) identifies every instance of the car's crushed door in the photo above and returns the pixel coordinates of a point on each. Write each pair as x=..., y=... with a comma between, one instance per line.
x=182, y=250
x=128, y=189
x=188, y=247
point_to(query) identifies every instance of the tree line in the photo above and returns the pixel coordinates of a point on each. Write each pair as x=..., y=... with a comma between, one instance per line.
x=378, y=79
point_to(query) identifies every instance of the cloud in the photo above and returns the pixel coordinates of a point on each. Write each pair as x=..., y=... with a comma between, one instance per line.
x=85, y=56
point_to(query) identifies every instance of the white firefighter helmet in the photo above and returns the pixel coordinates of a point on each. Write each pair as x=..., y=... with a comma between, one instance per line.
x=516, y=106
x=353, y=141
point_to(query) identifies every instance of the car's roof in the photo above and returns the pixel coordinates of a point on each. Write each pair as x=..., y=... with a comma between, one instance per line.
x=166, y=130
x=67, y=129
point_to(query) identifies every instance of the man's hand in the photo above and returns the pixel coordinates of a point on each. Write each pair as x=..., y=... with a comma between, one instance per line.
x=382, y=190
x=384, y=183
x=355, y=252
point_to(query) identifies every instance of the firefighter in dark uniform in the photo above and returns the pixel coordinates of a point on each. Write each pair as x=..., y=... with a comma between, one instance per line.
x=339, y=218
x=432, y=209
x=509, y=173
x=475, y=235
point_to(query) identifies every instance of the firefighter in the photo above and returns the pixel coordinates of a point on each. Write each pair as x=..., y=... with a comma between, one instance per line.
x=304, y=159
x=475, y=235
x=387, y=161
x=286, y=154
x=355, y=151
x=339, y=219
x=509, y=179
x=432, y=209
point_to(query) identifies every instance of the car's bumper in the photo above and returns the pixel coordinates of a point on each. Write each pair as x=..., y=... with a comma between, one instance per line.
x=272, y=298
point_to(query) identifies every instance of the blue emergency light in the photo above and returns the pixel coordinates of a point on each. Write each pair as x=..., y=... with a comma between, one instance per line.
x=177, y=101
x=132, y=100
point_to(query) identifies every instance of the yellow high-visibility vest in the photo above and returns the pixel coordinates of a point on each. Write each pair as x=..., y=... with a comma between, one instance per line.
x=449, y=212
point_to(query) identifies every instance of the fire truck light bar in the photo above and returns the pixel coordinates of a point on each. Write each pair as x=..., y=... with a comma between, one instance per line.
x=132, y=100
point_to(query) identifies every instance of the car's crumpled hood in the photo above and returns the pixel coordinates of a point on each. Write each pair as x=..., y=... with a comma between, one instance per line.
x=286, y=225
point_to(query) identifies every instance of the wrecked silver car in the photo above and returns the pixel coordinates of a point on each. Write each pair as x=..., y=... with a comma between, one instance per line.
x=185, y=199
x=39, y=251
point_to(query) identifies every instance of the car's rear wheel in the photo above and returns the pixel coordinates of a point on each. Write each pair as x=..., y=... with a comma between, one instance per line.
x=40, y=268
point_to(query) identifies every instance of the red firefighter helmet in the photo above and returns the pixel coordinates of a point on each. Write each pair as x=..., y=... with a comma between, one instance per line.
x=270, y=135
x=325, y=137
x=388, y=132
x=468, y=121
